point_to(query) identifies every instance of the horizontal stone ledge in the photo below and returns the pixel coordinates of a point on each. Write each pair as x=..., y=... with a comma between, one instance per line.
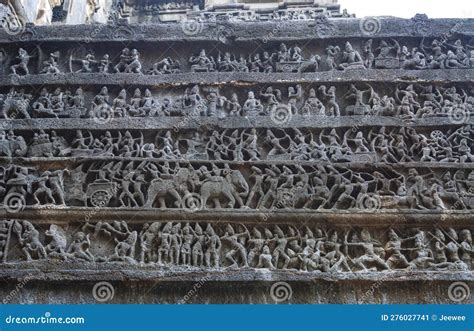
x=326, y=217
x=85, y=271
x=231, y=122
x=388, y=76
x=350, y=165
x=228, y=32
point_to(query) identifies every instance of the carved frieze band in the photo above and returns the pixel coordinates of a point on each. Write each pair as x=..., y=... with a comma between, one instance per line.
x=406, y=102
x=367, y=54
x=193, y=186
x=211, y=246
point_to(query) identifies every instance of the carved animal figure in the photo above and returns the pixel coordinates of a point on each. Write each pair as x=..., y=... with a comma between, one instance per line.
x=161, y=188
x=14, y=106
x=227, y=187
x=311, y=64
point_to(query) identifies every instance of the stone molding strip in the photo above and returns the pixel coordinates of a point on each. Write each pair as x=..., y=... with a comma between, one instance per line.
x=229, y=32
x=182, y=123
x=388, y=76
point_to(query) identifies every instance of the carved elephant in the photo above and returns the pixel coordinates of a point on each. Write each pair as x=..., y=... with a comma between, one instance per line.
x=227, y=187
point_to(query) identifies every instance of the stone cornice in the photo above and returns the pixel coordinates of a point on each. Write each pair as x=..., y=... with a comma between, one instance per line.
x=85, y=271
x=342, y=218
x=183, y=123
x=229, y=32
x=388, y=76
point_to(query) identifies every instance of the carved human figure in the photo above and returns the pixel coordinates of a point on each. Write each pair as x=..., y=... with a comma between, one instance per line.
x=369, y=257
x=21, y=68
x=237, y=249
x=79, y=248
x=351, y=58
x=252, y=106
x=28, y=238
x=213, y=248
x=50, y=66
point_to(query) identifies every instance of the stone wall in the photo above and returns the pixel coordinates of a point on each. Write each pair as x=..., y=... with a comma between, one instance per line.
x=323, y=160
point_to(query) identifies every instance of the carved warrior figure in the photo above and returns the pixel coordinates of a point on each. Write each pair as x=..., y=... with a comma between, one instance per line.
x=21, y=68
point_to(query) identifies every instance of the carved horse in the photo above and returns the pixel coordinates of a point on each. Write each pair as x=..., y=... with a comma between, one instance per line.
x=227, y=187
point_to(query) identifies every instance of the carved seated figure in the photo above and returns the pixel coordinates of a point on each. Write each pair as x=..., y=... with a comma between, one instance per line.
x=313, y=106
x=50, y=66
x=388, y=56
x=202, y=63
x=150, y=105
x=42, y=106
x=227, y=64
x=100, y=104
x=75, y=105
x=135, y=106
x=351, y=59
x=193, y=104
x=43, y=145
x=289, y=60
x=119, y=104
x=252, y=106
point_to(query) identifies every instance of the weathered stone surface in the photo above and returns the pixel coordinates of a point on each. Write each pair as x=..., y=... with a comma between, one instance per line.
x=205, y=167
